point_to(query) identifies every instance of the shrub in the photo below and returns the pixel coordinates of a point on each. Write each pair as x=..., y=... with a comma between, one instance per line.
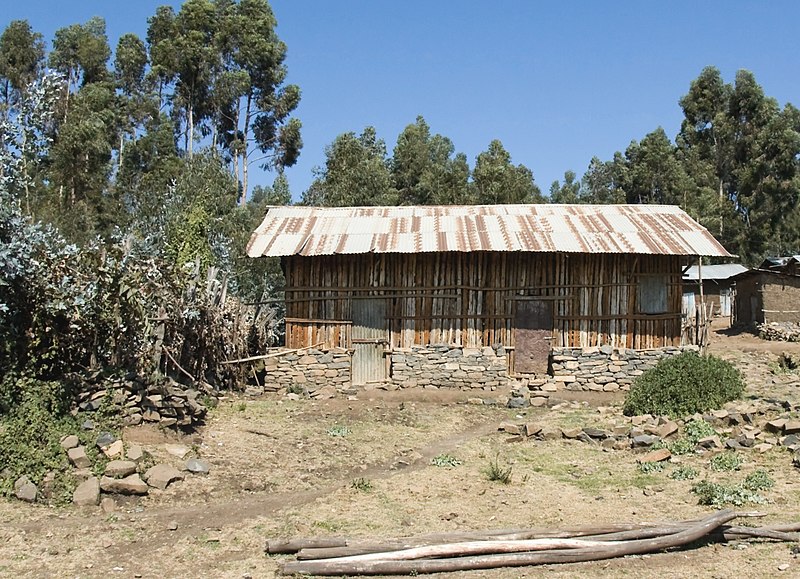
x=361, y=484
x=726, y=461
x=495, y=472
x=684, y=384
x=684, y=473
x=445, y=460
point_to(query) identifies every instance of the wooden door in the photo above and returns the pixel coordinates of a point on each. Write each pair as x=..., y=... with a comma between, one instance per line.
x=533, y=331
x=369, y=337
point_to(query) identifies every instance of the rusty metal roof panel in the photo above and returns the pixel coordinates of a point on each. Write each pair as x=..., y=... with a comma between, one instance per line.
x=638, y=229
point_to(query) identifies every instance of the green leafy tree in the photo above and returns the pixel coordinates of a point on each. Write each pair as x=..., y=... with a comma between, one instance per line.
x=567, y=192
x=21, y=60
x=654, y=173
x=426, y=170
x=496, y=180
x=356, y=173
x=738, y=143
x=603, y=182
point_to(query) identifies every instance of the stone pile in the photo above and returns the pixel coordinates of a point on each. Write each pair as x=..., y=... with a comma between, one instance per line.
x=311, y=373
x=758, y=425
x=779, y=331
x=444, y=366
x=168, y=404
x=127, y=473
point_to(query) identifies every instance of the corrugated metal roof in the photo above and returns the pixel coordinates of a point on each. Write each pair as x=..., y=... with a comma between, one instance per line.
x=723, y=271
x=640, y=229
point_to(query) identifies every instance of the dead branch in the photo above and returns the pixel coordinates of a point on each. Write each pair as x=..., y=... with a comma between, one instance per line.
x=271, y=355
x=604, y=550
x=178, y=366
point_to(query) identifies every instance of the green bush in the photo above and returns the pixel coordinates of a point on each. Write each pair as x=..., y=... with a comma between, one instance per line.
x=684, y=384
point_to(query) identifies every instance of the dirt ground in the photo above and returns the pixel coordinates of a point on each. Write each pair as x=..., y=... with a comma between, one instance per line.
x=285, y=468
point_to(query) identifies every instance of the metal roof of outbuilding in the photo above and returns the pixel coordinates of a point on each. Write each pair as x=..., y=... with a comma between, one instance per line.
x=637, y=229
x=723, y=271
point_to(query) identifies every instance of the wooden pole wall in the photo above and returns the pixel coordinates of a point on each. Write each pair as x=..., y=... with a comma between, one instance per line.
x=469, y=299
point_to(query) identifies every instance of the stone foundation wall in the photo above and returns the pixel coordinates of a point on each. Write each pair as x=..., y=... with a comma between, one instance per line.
x=450, y=367
x=600, y=368
x=311, y=373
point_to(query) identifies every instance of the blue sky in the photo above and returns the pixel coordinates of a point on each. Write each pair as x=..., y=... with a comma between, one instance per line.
x=556, y=82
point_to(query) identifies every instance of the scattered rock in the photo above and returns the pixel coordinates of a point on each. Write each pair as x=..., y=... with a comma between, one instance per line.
x=114, y=449
x=659, y=455
x=197, y=466
x=120, y=468
x=25, y=490
x=88, y=493
x=108, y=505
x=550, y=433
x=177, y=450
x=161, y=475
x=791, y=427
x=518, y=403
x=667, y=429
x=87, y=425
x=509, y=427
x=130, y=485
x=70, y=441
x=78, y=458
x=710, y=442
x=105, y=439
x=134, y=453
x=595, y=433
x=172, y=526
x=571, y=432
x=532, y=429
x=644, y=440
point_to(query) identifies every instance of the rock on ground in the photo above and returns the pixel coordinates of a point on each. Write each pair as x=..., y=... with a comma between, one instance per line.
x=77, y=456
x=88, y=493
x=196, y=466
x=130, y=485
x=161, y=475
x=120, y=468
x=25, y=490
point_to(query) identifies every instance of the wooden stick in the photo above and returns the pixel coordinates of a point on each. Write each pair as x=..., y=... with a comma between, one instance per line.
x=178, y=366
x=604, y=551
x=272, y=355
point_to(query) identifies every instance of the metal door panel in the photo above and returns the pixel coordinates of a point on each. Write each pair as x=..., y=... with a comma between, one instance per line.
x=533, y=331
x=369, y=336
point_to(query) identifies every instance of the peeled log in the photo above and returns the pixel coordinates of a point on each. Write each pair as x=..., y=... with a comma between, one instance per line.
x=604, y=551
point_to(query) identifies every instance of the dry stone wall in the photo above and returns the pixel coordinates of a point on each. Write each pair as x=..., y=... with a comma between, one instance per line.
x=601, y=369
x=446, y=366
x=324, y=374
x=310, y=373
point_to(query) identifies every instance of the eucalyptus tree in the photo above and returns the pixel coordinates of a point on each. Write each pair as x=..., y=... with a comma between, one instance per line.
x=356, y=173
x=567, y=192
x=496, y=180
x=21, y=61
x=224, y=64
x=426, y=170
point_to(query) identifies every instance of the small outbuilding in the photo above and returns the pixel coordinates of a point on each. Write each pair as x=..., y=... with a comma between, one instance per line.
x=767, y=295
x=475, y=296
x=717, y=287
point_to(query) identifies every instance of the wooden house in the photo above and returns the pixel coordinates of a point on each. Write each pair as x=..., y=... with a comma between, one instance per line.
x=521, y=279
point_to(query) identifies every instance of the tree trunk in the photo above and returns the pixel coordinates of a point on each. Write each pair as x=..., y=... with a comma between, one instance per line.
x=247, y=114
x=190, y=121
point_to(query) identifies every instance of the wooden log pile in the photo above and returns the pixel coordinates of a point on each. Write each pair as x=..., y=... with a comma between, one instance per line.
x=166, y=403
x=447, y=552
